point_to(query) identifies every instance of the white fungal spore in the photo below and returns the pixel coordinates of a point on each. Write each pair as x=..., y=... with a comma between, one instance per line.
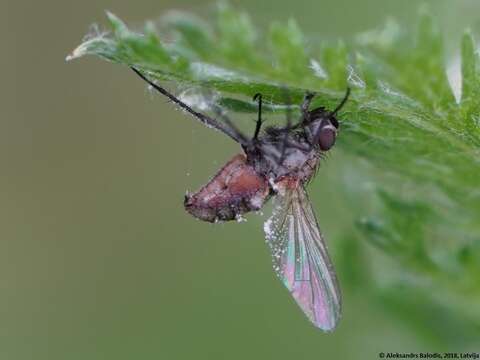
x=317, y=69
x=354, y=78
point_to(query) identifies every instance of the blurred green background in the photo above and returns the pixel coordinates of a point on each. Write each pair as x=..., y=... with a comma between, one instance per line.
x=98, y=259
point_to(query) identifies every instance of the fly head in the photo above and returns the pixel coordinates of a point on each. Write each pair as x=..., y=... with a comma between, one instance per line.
x=323, y=125
x=323, y=132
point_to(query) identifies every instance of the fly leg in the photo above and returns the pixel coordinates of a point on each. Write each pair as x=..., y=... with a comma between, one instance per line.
x=259, y=120
x=305, y=113
x=307, y=100
x=227, y=128
x=240, y=138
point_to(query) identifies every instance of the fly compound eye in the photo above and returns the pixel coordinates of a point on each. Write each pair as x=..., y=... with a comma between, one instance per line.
x=326, y=137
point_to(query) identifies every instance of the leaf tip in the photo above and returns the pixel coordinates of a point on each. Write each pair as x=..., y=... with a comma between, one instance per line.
x=111, y=16
x=117, y=25
x=79, y=51
x=69, y=57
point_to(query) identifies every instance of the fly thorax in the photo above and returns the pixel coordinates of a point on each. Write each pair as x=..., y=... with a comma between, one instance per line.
x=295, y=159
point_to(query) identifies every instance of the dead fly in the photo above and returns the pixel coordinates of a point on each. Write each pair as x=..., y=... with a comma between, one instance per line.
x=278, y=162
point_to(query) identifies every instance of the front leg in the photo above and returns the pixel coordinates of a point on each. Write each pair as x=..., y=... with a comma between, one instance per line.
x=307, y=100
x=258, y=126
x=227, y=129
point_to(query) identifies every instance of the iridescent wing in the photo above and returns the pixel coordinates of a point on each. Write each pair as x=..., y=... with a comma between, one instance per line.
x=301, y=260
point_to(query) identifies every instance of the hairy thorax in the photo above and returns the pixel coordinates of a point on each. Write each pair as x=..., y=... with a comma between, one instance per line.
x=295, y=162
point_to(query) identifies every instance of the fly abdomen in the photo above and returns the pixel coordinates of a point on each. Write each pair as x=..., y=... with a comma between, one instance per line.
x=235, y=190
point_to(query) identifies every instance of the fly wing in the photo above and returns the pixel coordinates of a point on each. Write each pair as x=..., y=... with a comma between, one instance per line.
x=301, y=260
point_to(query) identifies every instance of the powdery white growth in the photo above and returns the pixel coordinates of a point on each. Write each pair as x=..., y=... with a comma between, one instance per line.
x=355, y=79
x=387, y=89
x=79, y=51
x=257, y=201
x=93, y=35
x=267, y=228
x=208, y=71
x=277, y=189
x=317, y=69
x=240, y=218
x=197, y=99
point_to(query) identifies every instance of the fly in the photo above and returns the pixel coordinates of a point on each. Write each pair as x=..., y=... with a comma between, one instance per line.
x=277, y=162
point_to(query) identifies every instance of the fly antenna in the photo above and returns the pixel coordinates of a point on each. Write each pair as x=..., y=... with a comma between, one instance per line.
x=342, y=103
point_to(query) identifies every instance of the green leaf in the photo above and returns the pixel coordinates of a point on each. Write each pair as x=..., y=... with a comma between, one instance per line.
x=194, y=37
x=237, y=36
x=471, y=87
x=421, y=147
x=289, y=49
x=402, y=231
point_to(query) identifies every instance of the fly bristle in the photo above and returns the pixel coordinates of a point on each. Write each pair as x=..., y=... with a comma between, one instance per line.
x=317, y=113
x=273, y=131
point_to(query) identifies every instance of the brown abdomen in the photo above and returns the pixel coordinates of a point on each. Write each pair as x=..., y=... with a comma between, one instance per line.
x=235, y=190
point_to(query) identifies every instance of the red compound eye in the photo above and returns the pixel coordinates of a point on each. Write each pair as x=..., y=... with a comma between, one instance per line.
x=326, y=138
